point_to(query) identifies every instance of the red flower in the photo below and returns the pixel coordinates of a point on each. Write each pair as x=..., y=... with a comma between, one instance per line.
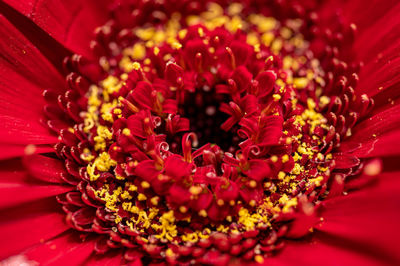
x=199, y=132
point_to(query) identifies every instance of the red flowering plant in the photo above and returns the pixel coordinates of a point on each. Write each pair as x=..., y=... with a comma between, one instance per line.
x=199, y=132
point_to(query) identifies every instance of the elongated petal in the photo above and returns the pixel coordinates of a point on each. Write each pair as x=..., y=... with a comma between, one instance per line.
x=373, y=134
x=67, y=249
x=315, y=252
x=19, y=55
x=45, y=168
x=384, y=145
x=367, y=218
x=17, y=187
x=11, y=151
x=75, y=29
x=30, y=224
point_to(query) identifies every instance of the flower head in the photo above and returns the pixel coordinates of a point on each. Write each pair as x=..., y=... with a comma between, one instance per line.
x=205, y=132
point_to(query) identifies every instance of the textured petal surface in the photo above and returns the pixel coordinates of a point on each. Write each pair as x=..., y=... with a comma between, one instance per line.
x=358, y=229
x=367, y=220
x=316, y=252
x=377, y=135
x=66, y=249
x=378, y=45
x=19, y=55
x=17, y=187
x=79, y=19
x=10, y=151
x=30, y=224
x=24, y=74
x=45, y=168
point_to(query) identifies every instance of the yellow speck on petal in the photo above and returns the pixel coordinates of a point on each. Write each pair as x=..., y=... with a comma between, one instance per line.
x=203, y=213
x=285, y=158
x=145, y=184
x=142, y=197
x=220, y=202
x=29, y=149
x=136, y=66
x=259, y=259
x=274, y=158
x=276, y=97
x=300, y=83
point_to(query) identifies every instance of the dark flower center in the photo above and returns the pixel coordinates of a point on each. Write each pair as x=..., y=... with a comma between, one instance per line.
x=203, y=111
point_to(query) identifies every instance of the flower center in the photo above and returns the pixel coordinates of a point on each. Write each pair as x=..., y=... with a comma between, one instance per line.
x=202, y=108
x=209, y=130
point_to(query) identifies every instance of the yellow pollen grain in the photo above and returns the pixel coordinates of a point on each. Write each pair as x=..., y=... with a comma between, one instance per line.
x=259, y=259
x=281, y=175
x=274, y=158
x=126, y=131
x=30, y=149
x=310, y=103
x=373, y=168
x=285, y=158
x=169, y=253
x=235, y=9
x=276, y=97
x=154, y=200
x=138, y=51
x=253, y=184
x=182, y=33
x=145, y=184
x=276, y=46
x=136, y=66
x=195, y=190
x=203, y=213
x=300, y=83
x=324, y=100
x=263, y=23
x=297, y=169
x=183, y=209
x=142, y=197
x=200, y=31
x=176, y=45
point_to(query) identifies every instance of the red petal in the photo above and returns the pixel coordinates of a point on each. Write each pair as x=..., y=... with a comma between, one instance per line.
x=177, y=168
x=384, y=145
x=258, y=170
x=23, y=58
x=75, y=29
x=266, y=81
x=16, y=186
x=142, y=94
x=10, y=151
x=242, y=77
x=21, y=131
x=67, y=249
x=369, y=132
x=45, y=168
x=30, y=224
x=367, y=218
x=316, y=252
x=343, y=161
x=110, y=259
x=21, y=106
x=147, y=170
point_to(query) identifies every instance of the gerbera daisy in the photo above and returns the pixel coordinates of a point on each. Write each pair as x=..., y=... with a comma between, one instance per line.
x=199, y=132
